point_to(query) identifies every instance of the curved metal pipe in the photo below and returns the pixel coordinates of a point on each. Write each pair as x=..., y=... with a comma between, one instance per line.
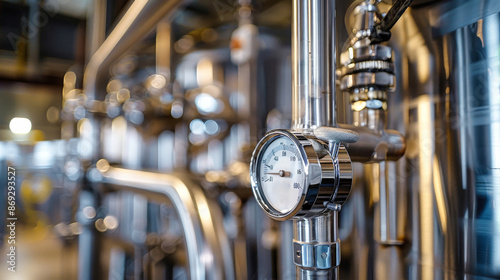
x=140, y=18
x=208, y=249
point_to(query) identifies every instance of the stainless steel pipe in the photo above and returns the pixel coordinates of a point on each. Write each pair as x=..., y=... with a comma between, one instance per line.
x=141, y=17
x=136, y=23
x=207, y=245
x=316, y=246
x=313, y=62
x=389, y=204
x=96, y=27
x=373, y=146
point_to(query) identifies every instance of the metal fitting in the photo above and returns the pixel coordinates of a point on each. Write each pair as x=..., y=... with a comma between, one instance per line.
x=317, y=256
x=367, y=71
x=316, y=245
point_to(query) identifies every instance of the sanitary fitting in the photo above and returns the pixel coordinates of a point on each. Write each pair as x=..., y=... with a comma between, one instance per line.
x=367, y=71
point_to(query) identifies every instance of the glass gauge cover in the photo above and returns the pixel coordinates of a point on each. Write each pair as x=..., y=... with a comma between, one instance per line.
x=282, y=175
x=279, y=174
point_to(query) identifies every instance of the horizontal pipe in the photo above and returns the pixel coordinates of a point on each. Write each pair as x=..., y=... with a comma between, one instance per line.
x=373, y=146
x=140, y=18
x=207, y=245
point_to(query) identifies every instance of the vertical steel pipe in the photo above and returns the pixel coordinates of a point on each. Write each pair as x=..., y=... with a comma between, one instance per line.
x=313, y=62
x=316, y=246
x=96, y=27
x=389, y=210
x=164, y=49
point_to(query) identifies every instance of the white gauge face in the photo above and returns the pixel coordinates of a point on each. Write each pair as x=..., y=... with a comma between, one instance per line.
x=281, y=174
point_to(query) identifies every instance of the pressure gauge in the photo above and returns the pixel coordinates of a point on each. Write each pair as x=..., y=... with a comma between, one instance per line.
x=294, y=175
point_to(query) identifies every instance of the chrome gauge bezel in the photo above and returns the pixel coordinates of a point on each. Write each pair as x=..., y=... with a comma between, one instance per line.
x=321, y=175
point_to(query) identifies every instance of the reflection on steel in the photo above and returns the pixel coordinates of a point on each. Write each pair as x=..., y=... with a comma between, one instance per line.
x=375, y=147
x=244, y=53
x=313, y=56
x=316, y=246
x=389, y=200
x=208, y=249
x=164, y=49
x=314, y=106
x=96, y=26
x=140, y=18
x=368, y=76
x=468, y=192
x=433, y=192
x=449, y=109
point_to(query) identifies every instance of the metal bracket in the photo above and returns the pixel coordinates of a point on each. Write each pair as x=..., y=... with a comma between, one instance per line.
x=317, y=256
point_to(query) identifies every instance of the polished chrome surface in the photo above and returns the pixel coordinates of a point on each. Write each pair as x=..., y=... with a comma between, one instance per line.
x=317, y=274
x=314, y=106
x=336, y=135
x=327, y=180
x=438, y=201
x=373, y=146
x=320, y=229
x=316, y=246
x=134, y=25
x=208, y=249
x=363, y=53
x=389, y=200
x=447, y=105
x=313, y=62
x=317, y=256
x=363, y=18
x=96, y=26
x=380, y=79
x=141, y=17
x=455, y=14
x=454, y=121
x=471, y=188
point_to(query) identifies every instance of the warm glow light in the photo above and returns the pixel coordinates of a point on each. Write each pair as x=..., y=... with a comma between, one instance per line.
x=20, y=125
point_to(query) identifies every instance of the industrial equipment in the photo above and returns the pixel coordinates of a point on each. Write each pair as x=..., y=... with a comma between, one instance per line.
x=250, y=139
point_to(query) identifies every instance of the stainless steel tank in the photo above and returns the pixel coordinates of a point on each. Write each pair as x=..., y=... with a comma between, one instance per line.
x=447, y=104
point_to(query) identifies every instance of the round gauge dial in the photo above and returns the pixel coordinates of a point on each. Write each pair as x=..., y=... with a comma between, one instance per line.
x=294, y=175
x=281, y=174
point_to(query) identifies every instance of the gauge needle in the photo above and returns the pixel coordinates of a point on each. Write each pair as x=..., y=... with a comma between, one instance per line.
x=282, y=173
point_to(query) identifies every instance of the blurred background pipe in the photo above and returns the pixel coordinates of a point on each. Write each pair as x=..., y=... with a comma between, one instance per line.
x=141, y=17
x=208, y=249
